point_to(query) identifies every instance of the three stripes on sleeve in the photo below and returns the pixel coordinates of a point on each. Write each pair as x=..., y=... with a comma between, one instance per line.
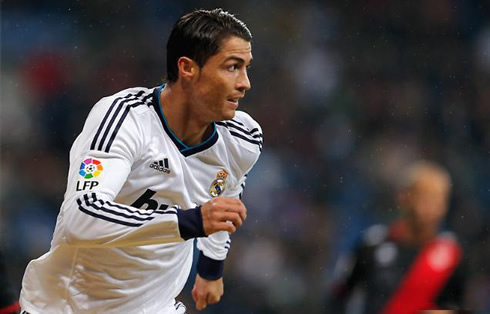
x=115, y=116
x=91, y=205
x=239, y=130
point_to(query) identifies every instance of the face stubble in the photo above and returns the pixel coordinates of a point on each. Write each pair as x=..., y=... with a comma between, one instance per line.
x=222, y=81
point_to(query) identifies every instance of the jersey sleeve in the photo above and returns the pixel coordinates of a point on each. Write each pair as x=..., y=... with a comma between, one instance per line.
x=101, y=160
x=350, y=270
x=215, y=247
x=452, y=295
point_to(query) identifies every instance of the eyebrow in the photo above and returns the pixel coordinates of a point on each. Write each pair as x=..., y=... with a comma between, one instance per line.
x=238, y=59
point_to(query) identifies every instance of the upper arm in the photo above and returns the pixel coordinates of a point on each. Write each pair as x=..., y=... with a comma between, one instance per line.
x=111, y=141
x=248, y=139
x=101, y=160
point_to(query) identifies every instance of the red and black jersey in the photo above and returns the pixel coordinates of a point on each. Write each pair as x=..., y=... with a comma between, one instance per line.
x=394, y=277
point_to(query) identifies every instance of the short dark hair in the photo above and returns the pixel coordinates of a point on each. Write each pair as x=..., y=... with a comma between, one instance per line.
x=198, y=35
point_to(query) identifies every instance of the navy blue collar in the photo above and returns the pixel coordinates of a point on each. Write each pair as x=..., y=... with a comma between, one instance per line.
x=184, y=149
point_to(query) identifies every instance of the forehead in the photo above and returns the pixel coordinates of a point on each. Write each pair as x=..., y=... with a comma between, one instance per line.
x=234, y=46
x=431, y=183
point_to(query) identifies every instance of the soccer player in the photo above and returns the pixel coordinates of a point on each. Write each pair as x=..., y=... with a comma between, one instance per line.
x=151, y=170
x=411, y=265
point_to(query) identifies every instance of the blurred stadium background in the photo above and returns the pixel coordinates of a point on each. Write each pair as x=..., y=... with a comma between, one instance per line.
x=347, y=92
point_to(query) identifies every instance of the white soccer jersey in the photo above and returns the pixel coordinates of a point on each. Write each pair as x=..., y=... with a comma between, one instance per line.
x=117, y=246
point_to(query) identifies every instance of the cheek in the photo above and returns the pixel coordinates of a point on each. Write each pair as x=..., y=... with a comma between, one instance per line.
x=213, y=87
x=205, y=94
x=219, y=93
x=430, y=210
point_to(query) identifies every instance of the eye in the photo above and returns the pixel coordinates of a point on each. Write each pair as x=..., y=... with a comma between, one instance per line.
x=233, y=67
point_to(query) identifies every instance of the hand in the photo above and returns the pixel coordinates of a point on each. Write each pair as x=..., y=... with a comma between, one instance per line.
x=207, y=291
x=223, y=214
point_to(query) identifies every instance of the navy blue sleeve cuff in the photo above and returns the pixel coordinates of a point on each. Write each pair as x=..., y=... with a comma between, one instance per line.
x=190, y=223
x=209, y=268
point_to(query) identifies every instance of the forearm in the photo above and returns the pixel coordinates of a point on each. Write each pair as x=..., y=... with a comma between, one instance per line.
x=89, y=220
x=213, y=252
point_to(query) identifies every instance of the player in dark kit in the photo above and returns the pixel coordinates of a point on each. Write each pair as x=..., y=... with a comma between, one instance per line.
x=410, y=265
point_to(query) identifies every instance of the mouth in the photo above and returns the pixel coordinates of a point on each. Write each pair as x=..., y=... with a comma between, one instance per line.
x=233, y=101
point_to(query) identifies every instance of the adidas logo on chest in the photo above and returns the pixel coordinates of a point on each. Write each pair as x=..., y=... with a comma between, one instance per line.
x=161, y=165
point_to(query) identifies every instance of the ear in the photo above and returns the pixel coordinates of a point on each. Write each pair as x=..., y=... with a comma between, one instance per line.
x=187, y=68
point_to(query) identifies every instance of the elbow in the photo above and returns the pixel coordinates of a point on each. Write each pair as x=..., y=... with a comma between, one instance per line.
x=73, y=236
x=79, y=238
x=74, y=231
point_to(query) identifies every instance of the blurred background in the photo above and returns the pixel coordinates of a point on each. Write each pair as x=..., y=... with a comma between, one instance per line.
x=347, y=93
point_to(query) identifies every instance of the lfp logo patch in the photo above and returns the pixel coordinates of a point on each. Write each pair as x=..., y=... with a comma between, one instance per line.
x=90, y=168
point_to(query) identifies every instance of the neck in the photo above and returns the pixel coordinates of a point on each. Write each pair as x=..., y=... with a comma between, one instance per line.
x=181, y=119
x=418, y=234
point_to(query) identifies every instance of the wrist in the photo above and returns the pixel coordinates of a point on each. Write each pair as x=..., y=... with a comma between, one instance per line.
x=209, y=268
x=190, y=223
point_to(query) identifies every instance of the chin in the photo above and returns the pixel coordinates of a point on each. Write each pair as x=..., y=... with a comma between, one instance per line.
x=228, y=115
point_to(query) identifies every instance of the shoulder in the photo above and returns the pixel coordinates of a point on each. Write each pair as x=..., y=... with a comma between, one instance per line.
x=116, y=108
x=243, y=118
x=244, y=130
x=242, y=137
x=119, y=115
x=128, y=98
x=449, y=237
x=374, y=235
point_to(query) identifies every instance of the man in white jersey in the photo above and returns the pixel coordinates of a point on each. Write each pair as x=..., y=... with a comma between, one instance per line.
x=151, y=170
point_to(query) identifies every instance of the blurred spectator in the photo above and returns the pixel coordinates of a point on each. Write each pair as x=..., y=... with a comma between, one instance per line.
x=409, y=266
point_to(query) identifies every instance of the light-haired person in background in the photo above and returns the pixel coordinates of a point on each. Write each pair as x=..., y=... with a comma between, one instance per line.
x=410, y=265
x=153, y=169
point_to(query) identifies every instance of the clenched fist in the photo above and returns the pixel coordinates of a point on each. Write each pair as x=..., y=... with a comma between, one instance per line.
x=207, y=292
x=223, y=214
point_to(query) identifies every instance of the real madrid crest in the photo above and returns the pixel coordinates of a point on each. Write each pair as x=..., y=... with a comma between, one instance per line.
x=219, y=184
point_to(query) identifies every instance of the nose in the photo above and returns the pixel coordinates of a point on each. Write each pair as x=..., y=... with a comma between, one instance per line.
x=243, y=83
